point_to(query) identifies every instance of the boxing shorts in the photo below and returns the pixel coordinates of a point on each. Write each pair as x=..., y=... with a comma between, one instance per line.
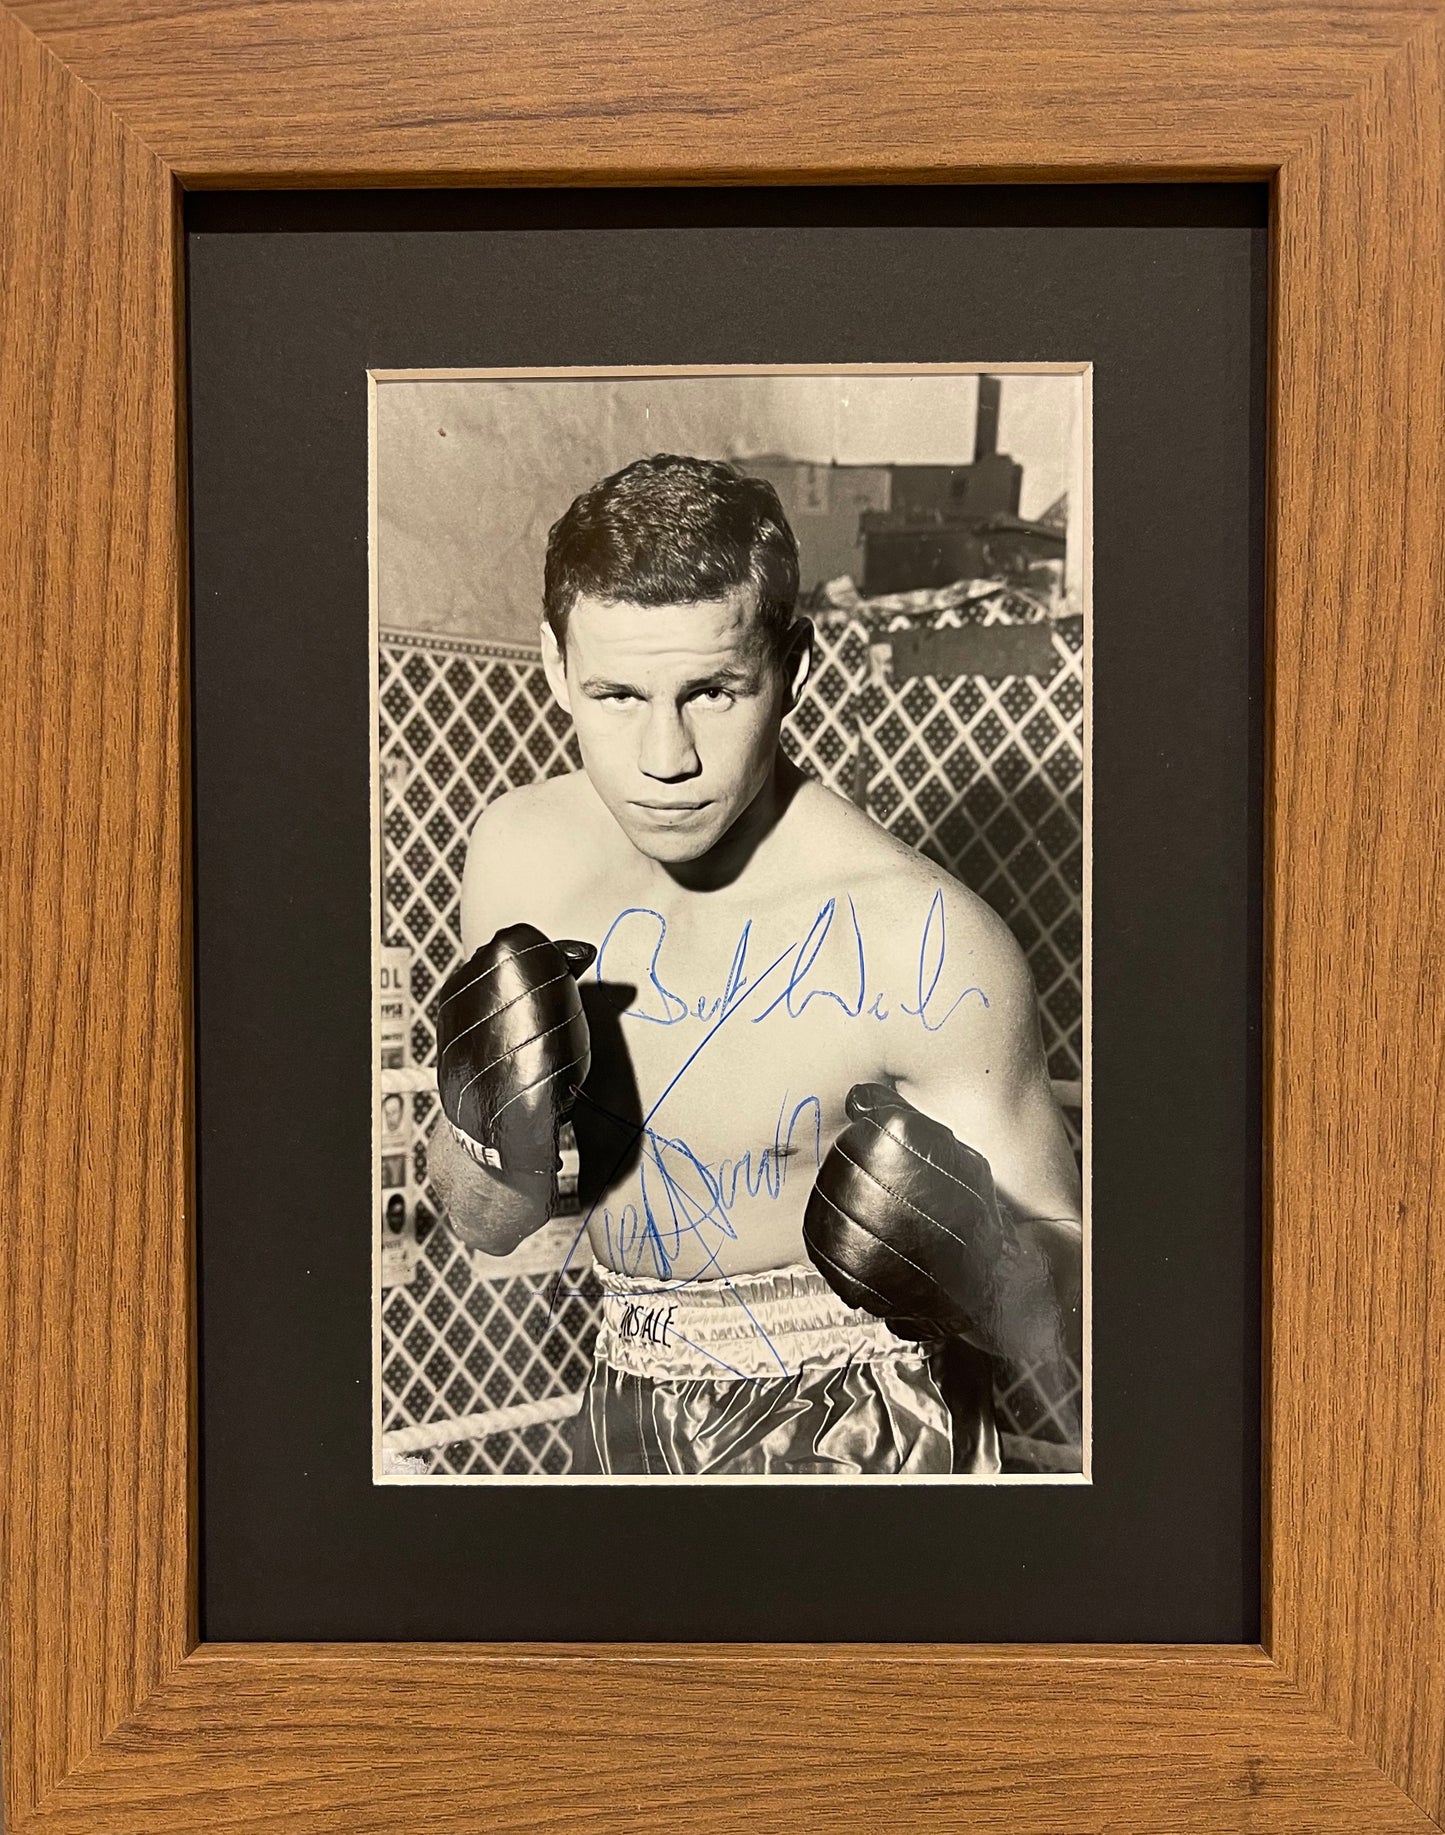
x=770, y=1374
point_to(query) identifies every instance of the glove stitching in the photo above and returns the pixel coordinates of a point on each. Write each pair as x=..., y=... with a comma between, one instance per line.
x=496, y=1012
x=883, y=1241
x=491, y=969
x=923, y=1158
x=538, y=1082
x=513, y=1051
x=837, y=1267
x=898, y=1198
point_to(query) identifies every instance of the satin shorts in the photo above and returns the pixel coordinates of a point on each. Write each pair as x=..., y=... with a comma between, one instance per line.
x=758, y=1375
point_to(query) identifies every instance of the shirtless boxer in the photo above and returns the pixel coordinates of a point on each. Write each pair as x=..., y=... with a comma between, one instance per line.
x=823, y=1175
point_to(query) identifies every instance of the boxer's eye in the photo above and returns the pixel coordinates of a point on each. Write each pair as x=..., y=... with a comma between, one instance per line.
x=713, y=697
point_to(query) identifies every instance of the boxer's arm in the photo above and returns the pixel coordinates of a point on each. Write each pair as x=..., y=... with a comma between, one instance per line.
x=483, y=1210
x=983, y=1074
x=508, y=859
x=463, y=1189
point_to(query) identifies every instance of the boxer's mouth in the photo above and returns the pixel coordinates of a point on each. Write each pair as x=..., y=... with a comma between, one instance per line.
x=671, y=809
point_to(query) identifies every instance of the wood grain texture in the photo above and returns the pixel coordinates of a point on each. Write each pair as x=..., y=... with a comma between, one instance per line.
x=112, y=1720
x=336, y=89
x=833, y=1741
x=1357, y=1106
x=94, y=1332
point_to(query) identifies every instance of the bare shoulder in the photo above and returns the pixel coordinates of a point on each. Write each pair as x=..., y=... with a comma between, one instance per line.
x=925, y=928
x=892, y=876
x=553, y=803
x=525, y=853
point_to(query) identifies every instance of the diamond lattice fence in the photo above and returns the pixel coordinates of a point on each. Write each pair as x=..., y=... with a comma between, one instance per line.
x=983, y=775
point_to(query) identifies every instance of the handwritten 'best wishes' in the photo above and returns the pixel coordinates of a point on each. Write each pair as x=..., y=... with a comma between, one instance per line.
x=641, y=931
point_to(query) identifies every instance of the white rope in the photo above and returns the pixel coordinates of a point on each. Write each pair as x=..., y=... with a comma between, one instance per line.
x=1041, y=1455
x=479, y=1426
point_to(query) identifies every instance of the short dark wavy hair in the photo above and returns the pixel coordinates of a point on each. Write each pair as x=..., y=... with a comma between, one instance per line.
x=674, y=531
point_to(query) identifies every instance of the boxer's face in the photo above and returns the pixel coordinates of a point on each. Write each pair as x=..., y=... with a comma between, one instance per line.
x=677, y=710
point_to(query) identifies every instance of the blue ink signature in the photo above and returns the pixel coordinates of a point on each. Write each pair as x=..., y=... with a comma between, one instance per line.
x=660, y=1005
x=732, y=1000
x=682, y=1199
x=682, y=1196
x=934, y=948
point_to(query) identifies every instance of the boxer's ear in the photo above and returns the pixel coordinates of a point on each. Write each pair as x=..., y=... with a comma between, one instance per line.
x=555, y=664
x=798, y=659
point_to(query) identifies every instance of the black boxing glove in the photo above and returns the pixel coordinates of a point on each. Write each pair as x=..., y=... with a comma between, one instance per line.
x=513, y=1050
x=903, y=1222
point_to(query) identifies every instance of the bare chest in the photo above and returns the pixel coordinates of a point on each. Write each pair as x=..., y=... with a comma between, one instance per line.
x=722, y=1055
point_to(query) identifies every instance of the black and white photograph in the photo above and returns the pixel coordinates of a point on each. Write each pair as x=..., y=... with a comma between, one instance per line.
x=731, y=873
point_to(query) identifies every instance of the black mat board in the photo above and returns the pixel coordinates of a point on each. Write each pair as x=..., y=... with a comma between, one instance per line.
x=291, y=297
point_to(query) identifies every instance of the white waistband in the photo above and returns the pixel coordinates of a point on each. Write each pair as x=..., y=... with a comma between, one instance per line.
x=777, y=1323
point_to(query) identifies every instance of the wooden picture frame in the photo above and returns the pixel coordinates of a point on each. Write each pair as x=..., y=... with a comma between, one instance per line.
x=115, y=1717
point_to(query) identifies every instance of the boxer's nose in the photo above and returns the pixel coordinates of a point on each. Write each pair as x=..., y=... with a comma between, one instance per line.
x=668, y=753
